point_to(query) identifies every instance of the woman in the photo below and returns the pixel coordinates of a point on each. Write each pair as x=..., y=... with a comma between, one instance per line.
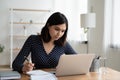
x=46, y=48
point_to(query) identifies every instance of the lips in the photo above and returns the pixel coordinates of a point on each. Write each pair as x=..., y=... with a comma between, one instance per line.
x=57, y=37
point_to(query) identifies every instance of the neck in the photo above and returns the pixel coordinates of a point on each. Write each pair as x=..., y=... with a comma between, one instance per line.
x=51, y=42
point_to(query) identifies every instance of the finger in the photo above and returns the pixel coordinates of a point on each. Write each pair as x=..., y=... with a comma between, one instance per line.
x=32, y=64
x=28, y=67
x=27, y=64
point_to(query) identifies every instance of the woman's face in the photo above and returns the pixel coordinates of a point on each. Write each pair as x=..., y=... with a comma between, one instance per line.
x=57, y=31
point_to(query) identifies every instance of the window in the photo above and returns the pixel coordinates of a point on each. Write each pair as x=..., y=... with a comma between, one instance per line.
x=115, y=31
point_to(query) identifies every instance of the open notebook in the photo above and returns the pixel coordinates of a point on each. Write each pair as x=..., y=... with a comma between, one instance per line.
x=74, y=64
x=41, y=75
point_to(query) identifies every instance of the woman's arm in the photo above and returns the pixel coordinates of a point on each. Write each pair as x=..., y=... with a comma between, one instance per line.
x=69, y=49
x=20, y=58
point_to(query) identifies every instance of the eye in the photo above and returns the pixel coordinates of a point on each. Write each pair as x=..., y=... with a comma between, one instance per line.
x=63, y=30
x=57, y=29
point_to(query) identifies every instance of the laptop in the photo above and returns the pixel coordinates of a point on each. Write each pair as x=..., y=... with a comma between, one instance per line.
x=74, y=64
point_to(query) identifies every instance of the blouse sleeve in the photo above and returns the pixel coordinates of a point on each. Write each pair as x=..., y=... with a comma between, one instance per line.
x=19, y=60
x=69, y=49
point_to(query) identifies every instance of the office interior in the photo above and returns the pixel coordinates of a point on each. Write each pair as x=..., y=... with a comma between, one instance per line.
x=97, y=39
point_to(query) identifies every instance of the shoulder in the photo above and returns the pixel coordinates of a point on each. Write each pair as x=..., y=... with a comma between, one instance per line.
x=69, y=49
x=67, y=44
x=34, y=36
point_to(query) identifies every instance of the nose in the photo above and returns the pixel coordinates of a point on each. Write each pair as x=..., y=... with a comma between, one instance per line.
x=59, y=33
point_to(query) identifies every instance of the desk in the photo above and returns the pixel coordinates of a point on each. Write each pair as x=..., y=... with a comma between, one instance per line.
x=109, y=75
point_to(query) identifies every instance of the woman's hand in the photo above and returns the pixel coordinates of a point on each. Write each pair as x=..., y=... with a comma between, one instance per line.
x=27, y=67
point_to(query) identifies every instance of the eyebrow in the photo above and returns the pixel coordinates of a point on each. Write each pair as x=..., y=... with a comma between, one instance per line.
x=59, y=28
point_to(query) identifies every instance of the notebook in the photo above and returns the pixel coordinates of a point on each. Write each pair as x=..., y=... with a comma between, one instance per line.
x=74, y=64
x=41, y=75
x=9, y=74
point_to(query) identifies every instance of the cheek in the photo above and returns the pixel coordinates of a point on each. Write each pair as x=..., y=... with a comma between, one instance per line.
x=52, y=32
x=62, y=34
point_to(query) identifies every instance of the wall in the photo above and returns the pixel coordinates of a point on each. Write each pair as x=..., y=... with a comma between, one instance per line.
x=96, y=34
x=97, y=41
x=4, y=20
x=112, y=53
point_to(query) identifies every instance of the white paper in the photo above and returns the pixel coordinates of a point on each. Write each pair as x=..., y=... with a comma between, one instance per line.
x=41, y=75
x=37, y=72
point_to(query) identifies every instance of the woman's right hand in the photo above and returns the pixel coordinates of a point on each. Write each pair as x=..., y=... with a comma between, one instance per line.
x=27, y=67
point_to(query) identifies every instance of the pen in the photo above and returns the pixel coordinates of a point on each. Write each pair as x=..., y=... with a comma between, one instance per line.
x=29, y=60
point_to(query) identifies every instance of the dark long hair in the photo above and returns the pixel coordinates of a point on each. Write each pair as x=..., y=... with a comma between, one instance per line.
x=56, y=18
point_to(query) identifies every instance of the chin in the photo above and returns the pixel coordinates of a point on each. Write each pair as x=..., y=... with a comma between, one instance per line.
x=56, y=38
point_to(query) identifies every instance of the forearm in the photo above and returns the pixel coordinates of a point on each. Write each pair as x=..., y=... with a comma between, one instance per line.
x=17, y=67
x=19, y=60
